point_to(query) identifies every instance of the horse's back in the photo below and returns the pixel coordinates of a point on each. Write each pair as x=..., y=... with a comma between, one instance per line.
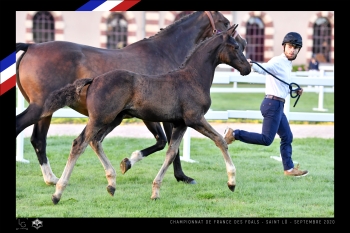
x=63, y=56
x=48, y=66
x=52, y=65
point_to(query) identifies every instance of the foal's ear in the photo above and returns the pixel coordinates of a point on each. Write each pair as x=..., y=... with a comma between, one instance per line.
x=231, y=30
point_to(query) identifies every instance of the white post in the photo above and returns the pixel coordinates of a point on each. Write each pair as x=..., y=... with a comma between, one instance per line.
x=320, y=95
x=20, y=107
x=187, y=147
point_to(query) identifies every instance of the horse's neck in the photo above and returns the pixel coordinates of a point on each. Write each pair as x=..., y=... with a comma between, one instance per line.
x=185, y=34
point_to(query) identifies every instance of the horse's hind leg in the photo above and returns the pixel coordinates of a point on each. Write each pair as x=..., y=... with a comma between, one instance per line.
x=29, y=116
x=178, y=172
x=78, y=147
x=96, y=145
x=157, y=131
x=111, y=175
x=38, y=139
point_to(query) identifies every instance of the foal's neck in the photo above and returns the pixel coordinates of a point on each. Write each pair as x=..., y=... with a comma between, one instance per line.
x=202, y=63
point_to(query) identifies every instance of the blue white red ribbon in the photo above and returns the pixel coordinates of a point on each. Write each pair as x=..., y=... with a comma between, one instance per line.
x=8, y=73
x=108, y=5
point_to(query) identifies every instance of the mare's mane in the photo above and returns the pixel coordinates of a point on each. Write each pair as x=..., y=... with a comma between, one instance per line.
x=174, y=24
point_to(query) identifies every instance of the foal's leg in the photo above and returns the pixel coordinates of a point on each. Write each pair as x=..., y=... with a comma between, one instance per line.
x=176, y=137
x=38, y=139
x=136, y=156
x=78, y=147
x=111, y=175
x=178, y=172
x=96, y=145
x=207, y=130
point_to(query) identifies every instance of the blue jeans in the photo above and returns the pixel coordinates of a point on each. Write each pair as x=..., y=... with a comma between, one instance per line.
x=274, y=121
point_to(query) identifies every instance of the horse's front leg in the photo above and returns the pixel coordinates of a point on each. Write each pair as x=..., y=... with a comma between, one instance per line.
x=178, y=172
x=157, y=131
x=207, y=130
x=176, y=137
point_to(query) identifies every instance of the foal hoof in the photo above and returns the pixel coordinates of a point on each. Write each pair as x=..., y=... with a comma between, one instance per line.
x=52, y=181
x=231, y=187
x=54, y=199
x=125, y=165
x=110, y=190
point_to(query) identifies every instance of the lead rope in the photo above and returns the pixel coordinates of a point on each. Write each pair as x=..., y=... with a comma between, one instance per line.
x=291, y=90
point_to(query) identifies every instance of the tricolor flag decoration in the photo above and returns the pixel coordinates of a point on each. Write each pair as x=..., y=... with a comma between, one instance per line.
x=8, y=65
x=8, y=73
x=108, y=5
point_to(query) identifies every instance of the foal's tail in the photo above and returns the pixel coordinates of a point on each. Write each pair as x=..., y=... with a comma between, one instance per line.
x=65, y=96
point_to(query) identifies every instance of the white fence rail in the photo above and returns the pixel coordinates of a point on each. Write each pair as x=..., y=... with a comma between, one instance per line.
x=322, y=81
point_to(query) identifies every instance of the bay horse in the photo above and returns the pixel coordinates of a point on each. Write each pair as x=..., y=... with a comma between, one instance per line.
x=46, y=67
x=181, y=97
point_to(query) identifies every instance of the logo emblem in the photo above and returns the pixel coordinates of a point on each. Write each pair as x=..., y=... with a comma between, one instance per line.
x=37, y=223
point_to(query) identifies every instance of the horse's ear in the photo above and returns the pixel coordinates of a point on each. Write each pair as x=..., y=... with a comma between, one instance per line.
x=232, y=29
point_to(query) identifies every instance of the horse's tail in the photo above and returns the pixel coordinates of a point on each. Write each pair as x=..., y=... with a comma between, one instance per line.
x=22, y=47
x=65, y=96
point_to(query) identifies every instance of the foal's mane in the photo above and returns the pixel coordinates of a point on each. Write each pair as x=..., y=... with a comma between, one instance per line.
x=200, y=44
x=174, y=24
x=190, y=53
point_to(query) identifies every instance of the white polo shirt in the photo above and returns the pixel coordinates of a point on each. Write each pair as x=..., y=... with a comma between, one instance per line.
x=281, y=67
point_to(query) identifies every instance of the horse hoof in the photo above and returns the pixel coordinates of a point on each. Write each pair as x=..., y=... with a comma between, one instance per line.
x=231, y=187
x=110, y=190
x=125, y=165
x=54, y=199
x=187, y=180
x=52, y=181
x=154, y=198
x=190, y=181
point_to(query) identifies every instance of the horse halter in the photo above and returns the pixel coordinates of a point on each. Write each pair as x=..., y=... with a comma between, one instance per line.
x=212, y=22
x=215, y=31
